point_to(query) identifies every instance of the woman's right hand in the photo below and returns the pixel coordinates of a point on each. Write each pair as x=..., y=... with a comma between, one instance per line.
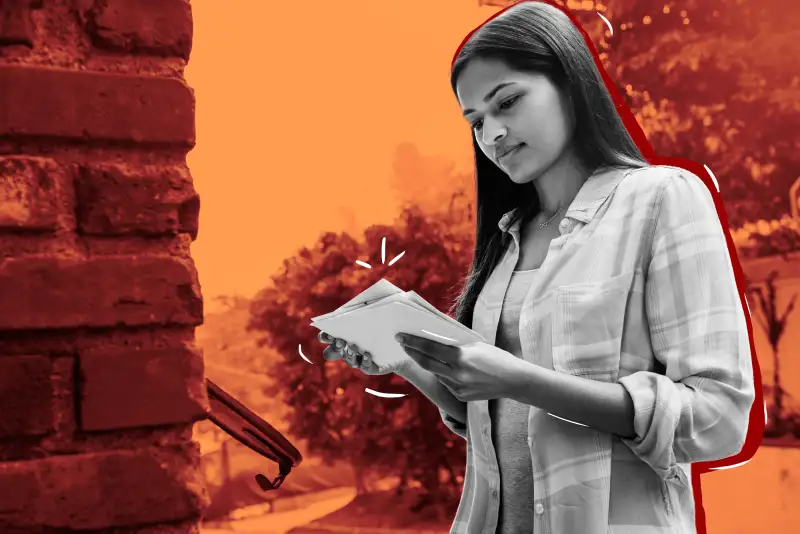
x=339, y=349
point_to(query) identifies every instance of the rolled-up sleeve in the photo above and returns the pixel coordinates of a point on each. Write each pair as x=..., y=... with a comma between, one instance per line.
x=699, y=409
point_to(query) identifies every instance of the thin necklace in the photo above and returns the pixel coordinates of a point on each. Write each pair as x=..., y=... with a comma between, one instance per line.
x=542, y=225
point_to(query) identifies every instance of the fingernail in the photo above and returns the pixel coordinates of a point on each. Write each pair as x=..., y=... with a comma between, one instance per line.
x=399, y=338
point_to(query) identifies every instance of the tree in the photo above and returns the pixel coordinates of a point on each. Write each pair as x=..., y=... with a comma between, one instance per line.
x=711, y=81
x=773, y=323
x=326, y=401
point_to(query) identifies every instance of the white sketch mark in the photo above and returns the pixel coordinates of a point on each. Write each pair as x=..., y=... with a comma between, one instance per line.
x=714, y=178
x=396, y=258
x=730, y=466
x=567, y=420
x=610, y=28
x=384, y=395
x=383, y=250
x=300, y=350
x=363, y=264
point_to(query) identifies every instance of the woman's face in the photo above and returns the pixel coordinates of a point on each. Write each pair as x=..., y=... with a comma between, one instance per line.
x=519, y=119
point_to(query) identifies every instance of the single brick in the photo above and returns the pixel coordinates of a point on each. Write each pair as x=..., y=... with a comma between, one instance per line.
x=112, y=200
x=82, y=105
x=54, y=292
x=103, y=490
x=29, y=194
x=126, y=388
x=16, y=27
x=156, y=27
x=26, y=396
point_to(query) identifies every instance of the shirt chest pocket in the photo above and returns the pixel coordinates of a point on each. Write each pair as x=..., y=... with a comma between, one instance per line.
x=587, y=326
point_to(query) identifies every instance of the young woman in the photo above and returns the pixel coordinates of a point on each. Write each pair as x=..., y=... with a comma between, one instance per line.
x=617, y=350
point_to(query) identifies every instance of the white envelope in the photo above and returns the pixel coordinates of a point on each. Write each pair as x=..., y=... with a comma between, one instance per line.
x=380, y=289
x=372, y=327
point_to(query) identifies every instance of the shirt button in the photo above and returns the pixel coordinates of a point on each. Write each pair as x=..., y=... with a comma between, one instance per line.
x=494, y=493
x=539, y=508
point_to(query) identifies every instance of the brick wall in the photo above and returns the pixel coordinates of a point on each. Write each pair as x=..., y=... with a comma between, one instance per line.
x=100, y=380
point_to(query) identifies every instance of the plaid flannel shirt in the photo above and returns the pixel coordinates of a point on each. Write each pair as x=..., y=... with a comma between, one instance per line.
x=638, y=290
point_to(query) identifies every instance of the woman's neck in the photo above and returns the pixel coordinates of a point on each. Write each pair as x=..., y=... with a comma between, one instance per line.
x=558, y=186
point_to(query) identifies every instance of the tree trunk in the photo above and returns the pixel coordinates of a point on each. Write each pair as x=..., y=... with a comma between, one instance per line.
x=358, y=471
x=777, y=391
x=403, y=484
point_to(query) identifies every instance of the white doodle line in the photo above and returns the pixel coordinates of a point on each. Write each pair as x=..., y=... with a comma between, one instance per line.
x=383, y=256
x=384, y=395
x=610, y=28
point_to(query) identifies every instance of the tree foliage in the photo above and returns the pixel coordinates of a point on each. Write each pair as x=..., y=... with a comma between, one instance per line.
x=712, y=81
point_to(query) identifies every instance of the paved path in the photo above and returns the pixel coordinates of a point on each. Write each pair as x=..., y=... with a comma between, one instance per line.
x=319, y=505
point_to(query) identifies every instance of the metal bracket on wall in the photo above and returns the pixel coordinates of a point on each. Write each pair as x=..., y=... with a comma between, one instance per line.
x=252, y=431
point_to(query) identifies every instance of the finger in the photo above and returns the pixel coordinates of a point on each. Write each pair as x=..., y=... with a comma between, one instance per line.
x=332, y=354
x=428, y=363
x=369, y=366
x=357, y=354
x=440, y=351
x=326, y=338
x=366, y=363
x=350, y=356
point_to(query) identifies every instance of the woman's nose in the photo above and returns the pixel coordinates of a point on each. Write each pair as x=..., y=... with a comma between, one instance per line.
x=493, y=132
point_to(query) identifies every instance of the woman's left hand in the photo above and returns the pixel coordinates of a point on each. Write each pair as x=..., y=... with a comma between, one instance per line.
x=477, y=371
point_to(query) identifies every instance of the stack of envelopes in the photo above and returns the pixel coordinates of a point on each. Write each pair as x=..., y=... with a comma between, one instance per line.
x=377, y=314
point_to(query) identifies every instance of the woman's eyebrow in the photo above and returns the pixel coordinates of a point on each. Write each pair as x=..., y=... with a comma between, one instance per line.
x=490, y=94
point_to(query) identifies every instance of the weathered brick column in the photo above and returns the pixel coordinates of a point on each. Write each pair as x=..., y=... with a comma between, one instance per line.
x=100, y=381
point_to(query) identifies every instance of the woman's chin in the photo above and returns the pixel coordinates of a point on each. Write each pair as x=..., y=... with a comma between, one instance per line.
x=520, y=177
x=521, y=171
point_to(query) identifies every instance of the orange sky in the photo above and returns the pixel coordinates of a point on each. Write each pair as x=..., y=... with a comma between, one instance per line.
x=300, y=106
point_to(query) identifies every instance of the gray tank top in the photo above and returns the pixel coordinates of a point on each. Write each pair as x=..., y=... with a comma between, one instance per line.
x=510, y=423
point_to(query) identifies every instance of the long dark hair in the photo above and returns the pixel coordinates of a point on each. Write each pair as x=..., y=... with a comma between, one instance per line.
x=537, y=37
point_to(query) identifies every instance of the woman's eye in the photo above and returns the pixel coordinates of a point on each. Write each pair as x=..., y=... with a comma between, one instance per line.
x=477, y=125
x=506, y=104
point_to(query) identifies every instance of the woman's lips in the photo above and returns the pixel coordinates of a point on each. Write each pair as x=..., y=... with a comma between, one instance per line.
x=510, y=152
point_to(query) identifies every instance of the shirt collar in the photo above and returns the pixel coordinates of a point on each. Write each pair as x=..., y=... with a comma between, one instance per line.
x=597, y=188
